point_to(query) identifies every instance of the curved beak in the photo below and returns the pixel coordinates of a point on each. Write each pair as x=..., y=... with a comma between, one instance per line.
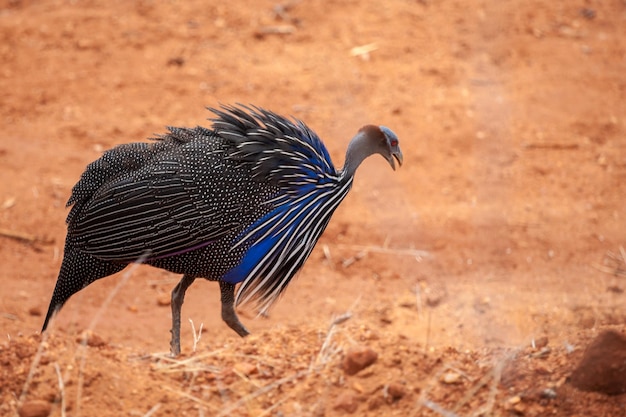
x=397, y=153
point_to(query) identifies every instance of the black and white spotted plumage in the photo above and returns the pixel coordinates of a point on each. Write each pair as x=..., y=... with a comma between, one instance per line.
x=242, y=203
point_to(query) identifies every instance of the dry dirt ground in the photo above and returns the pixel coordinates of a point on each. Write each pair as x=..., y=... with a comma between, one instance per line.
x=477, y=274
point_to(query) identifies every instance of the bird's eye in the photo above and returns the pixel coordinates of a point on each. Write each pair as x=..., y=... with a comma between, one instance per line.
x=393, y=142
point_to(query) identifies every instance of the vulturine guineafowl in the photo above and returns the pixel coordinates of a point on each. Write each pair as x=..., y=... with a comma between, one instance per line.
x=242, y=203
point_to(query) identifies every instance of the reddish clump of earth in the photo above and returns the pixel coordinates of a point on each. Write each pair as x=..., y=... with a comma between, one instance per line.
x=603, y=365
x=358, y=358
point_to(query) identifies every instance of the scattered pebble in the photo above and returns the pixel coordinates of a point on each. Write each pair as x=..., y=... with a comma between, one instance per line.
x=358, y=387
x=541, y=342
x=407, y=300
x=92, y=339
x=375, y=402
x=246, y=369
x=617, y=289
x=543, y=353
x=357, y=359
x=587, y=321
x=347, y=402
x=386, y=315
x=482, y=305
x=8, y=203
x=548, y=393
x=164, y=300
x=176, y=61
x=588, y=13
x=603, y=365
x=515, y=405
x=435, y=295
x=394, y=391
x=451, y=378
x=35, y=311
x=35, y=408
x=514, y=400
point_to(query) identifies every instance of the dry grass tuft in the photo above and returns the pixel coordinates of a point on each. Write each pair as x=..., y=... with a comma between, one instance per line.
x=61, y=388
x=614, y=263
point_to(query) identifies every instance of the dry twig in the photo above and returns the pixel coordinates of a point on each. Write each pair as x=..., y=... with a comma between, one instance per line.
x=363, y=51
x=61, y=388
x=153, y=410
x=423, y=400
x=191, y=397
x=33, y=366
x=416, y=253
x=19, y=236
x=433, y=406
x=553, y=146
x=274, y=30
x=325, y=353
x=196, y=336
x=261, y=391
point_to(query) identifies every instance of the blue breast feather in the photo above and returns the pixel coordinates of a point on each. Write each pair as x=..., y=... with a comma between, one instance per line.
x=290, y=156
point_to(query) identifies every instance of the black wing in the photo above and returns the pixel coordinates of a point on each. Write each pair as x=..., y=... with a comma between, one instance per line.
x=158, y=209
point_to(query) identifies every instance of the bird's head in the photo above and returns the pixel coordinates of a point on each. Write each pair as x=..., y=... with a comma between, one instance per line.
x=370, y=140
x=390, y=146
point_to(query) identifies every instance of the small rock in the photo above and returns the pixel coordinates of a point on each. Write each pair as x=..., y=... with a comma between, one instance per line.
x=482, y=305
x=615, y=289
x=84, y=44
x=319, y=410
x=35, y=408
x=548, y=393
x=24, y=349
x=541, y=342
x=164, y=300
x=92, y=339
x=395, y=391
x=246, y=369
x=358, y=387
x=451, y=378
x=347, y=402
x=358, y=359
x=34, y=311
x=603, y=365
x=386, y=315
x=543, y=353
x=435, y=295
x=588, y=13
x=514, y=400
x=587, y=321
x=407, y=300
x=375, y=403
x=515, y=405
x=177, y=61
x=543, y=369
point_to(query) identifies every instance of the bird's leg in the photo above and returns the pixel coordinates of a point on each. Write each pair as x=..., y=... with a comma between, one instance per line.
x=228, y=309
x=178, y=297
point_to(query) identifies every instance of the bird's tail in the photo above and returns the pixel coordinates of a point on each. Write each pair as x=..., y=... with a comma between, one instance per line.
x=77, y=271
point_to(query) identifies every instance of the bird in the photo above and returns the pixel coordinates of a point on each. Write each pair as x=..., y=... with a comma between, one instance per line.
x=242, y=203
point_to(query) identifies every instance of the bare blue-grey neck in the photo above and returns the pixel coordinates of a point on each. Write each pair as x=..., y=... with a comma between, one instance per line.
x=364, y=144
